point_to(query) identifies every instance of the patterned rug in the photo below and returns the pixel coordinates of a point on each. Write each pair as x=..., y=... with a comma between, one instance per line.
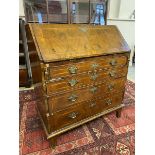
x=102, y=136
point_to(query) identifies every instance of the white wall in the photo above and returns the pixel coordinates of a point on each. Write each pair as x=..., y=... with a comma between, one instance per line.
x=126, y=8
x=114, y=6
x=21, y=8
x=119, y=14
x=121, y=8
x=127, y=28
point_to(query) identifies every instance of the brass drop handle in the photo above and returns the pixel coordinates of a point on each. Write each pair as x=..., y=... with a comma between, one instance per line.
x=93, y=89
x=73, y=115
x=72, y=98
x=113, y=62
x=73, y=82
x=109, y=101
x=92, y=104
x=112, y=73
x=72, y=70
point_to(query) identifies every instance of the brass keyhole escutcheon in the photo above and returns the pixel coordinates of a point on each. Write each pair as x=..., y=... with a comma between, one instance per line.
x=73, y=82
x=94, y=66
x=93, y=76
x=110, y=87
x=72, y=70
x=109, y=101
x=92, y=104
x=113, y=62
x=112, y=74
x=93, y=89
x=93, y=73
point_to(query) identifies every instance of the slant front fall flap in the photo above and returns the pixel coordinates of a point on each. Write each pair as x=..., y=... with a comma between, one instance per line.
x=57, y=42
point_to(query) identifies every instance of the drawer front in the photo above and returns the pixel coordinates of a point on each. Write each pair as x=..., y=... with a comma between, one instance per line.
x=84, y=110
x=110, y=101
x=69, y=116
x=85, y=65
x=83, y=80
x=59, y=102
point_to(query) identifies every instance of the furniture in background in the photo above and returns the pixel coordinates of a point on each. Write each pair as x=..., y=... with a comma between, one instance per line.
x=82, y=70
x=67, y=11
x=25, y=74
x=27, y=57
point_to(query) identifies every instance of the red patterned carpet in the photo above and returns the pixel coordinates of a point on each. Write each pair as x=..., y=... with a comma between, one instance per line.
x=103, y=136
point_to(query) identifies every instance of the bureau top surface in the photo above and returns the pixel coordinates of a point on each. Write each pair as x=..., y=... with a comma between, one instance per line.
x=56, y=42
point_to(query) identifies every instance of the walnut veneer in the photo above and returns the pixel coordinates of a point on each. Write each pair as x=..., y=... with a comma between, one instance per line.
x=82, y=70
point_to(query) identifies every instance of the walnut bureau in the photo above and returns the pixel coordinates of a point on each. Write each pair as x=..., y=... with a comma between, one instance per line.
x=83, y=70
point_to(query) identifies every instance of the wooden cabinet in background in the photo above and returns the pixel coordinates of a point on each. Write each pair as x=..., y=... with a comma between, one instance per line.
x=66, y=11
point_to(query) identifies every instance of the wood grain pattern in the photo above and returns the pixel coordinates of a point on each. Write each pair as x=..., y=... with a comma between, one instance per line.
x=60, y=42
x=82, y=68
x=103, y=62
x=87, y=94
x=57, y=86
x=76, y=113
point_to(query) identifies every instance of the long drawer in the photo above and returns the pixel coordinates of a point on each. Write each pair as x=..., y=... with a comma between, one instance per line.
x=82, y=111
x=69, y=83
x=61, y=101
x=62, y=69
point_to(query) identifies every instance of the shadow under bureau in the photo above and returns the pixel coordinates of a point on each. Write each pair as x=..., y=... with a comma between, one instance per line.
x=82, y=71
